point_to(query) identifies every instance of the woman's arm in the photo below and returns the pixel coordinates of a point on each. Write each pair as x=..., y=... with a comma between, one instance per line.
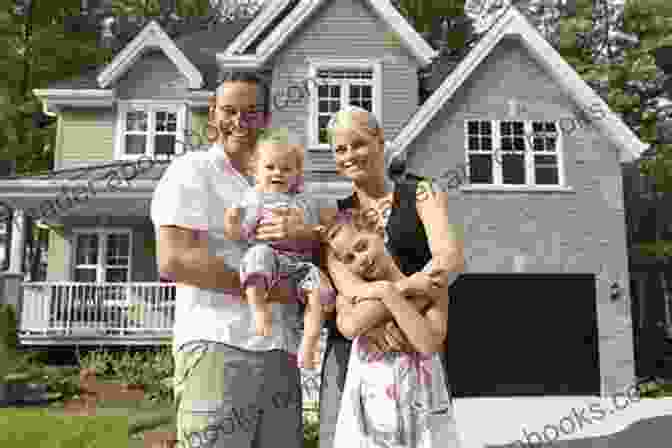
x=357, y=318
x=446, y=241
x=426, y=333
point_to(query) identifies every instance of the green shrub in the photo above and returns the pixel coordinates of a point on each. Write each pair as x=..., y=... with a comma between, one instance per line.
x=100, y=360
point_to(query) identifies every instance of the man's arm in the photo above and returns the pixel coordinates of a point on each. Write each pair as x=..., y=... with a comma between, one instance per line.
x=185, y=257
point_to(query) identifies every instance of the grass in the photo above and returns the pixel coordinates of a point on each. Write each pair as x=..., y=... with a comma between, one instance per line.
x=43, y=428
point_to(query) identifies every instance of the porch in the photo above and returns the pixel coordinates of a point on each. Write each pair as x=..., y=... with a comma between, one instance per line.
x=77, y=313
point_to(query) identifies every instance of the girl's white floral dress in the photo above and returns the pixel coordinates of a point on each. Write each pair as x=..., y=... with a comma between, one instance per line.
x=395, y=400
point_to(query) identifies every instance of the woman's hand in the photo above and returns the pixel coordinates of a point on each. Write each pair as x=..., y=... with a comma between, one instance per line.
x=286, y=224
x=424, y=284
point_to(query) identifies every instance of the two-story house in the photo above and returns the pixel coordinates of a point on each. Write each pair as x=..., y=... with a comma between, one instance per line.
x=545, y=306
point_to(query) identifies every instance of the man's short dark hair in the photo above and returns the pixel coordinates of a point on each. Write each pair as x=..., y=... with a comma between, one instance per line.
x=260, y=78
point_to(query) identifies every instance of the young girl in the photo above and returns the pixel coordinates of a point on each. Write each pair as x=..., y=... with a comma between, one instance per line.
x=277, y=167
x=391, y=399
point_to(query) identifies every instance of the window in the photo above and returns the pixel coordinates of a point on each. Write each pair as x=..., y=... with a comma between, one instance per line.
x=516, y=153
x=102, y=256
x=338, y=84
x=150, y=129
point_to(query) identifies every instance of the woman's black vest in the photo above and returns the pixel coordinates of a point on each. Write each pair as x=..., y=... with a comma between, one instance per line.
x=407, y=242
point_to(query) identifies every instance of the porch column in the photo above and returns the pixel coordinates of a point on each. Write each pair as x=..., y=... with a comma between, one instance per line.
x=18, y=242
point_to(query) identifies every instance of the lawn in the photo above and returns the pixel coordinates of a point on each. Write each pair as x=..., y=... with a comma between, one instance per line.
x=43, y=428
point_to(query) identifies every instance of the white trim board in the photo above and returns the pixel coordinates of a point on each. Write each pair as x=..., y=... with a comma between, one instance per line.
x=408, y=36
x=152, y=36
x=58, y=98
x=315, y=64
x=256, y=27
x=513, y=23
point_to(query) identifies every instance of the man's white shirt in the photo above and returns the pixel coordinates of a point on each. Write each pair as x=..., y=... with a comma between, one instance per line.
x=193, y=193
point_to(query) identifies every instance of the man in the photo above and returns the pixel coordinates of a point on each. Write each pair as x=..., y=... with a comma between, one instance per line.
x=233, y=389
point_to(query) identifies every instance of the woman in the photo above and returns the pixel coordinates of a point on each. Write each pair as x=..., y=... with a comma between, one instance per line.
x=414, y=216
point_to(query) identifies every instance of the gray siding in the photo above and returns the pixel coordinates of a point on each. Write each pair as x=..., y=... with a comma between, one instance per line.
x=153, y=76
x=348, y=29
x=582, y=231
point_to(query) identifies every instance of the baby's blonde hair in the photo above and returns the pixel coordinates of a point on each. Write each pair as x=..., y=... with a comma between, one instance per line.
x=280, y=137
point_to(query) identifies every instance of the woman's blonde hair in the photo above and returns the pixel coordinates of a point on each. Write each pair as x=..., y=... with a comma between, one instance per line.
x=282, y=137
x=358, y=120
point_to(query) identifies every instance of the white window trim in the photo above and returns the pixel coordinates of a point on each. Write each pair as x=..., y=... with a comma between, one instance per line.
x=102, y=233
x=318, y=64
x=529, y=159
x=148, y=105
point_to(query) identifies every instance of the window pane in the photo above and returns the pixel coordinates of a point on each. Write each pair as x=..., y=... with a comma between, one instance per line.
x=323, y=91
x=324, y=137
x=323, y=120
x=335, y=106
x=116, y=275
x=166, y=122
x=85, y=274
x=513, y=168
x=366, y=92
x=367, y=105
x=135, y=144
x=335, y=91
x=519, y=143
x=472, y=127
x=323, y=106
x=546, y=170
x=87, y=249
x=117, y=249
x=480, y=168
x=355, y=92
x=164, y=144
x=136, y=121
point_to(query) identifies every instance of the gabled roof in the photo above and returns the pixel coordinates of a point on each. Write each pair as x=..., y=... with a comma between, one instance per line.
x=513, y=23
x=151, y=37
x=203, y=46
x=298, y=15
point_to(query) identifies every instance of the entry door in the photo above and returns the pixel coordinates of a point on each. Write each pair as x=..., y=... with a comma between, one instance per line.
x=523, y=335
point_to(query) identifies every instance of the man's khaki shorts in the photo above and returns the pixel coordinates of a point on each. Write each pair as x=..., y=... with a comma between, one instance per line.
x=234, y=398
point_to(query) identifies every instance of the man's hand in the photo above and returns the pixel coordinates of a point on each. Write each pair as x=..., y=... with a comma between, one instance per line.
x=232, y=225
x=286, y=224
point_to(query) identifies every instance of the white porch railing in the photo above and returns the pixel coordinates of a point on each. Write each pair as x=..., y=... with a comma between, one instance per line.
x=115, y=307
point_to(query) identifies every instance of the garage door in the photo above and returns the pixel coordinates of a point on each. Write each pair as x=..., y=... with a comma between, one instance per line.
x=523, y=335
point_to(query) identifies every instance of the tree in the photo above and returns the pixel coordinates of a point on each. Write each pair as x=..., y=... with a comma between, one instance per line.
x=37, y=51
x=428, y=16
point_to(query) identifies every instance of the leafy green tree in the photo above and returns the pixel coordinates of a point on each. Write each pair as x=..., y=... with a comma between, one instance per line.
x=427, y=17
x=36, y=50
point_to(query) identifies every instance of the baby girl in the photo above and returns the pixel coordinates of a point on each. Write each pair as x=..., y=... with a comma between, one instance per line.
x=277, y=167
